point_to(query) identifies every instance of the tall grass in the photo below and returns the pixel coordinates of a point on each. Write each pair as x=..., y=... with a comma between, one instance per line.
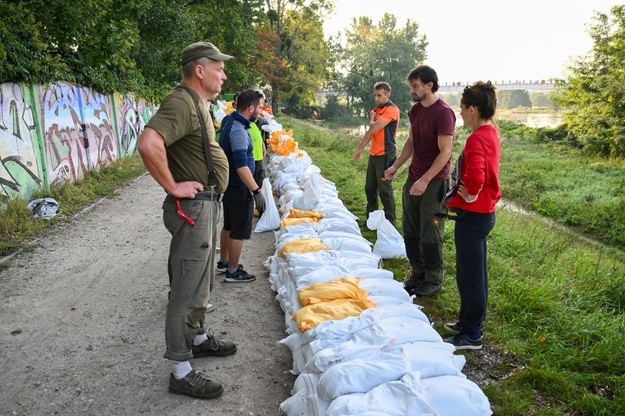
x=557, y=301
x=17, y=224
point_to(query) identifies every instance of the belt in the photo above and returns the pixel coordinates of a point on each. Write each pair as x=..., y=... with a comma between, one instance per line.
x=208, y=196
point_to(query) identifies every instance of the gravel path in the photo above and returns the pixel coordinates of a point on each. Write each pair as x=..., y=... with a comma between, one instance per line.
x=83, y=315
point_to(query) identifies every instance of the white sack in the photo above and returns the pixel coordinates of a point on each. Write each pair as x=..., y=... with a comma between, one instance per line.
x=389, y=243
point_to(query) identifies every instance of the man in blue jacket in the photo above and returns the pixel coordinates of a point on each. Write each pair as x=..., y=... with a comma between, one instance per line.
x=243, y=191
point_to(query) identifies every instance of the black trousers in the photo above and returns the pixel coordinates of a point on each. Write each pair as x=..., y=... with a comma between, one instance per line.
x=470, y=236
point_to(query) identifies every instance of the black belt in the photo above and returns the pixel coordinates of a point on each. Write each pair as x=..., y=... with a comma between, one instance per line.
x=208, y=196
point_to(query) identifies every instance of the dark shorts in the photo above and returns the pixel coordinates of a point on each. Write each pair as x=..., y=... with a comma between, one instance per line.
x=238, y=212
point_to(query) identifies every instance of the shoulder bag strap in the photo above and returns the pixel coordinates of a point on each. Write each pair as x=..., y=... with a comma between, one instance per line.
x=212, y=177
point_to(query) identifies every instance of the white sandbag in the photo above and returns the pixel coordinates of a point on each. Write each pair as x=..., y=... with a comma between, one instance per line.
x=373, y=273
x=389, y=243
x=347, y=244
x=398, y=329
x=339, y=225
x=313, y=188
x=394, y=398
x=270, y=220
x=347, y=351
x=406, y=310
x=304, y=400
x=385, y=287
x=351, y=260
x=301, y=404
x=294, y=343
x=302, y=263
x=432, y=359
x=454, y=396
x=321, y=274
x=342, y=234
x=360, y=376
x=385, y=300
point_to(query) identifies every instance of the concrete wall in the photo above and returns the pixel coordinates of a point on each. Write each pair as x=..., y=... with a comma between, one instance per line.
x=54, y=134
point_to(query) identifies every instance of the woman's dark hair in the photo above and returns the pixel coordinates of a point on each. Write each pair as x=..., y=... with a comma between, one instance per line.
x=482, y=96
x=425, y=74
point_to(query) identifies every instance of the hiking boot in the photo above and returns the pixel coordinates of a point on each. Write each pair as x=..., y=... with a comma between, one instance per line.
x=195, y=385
x=240, y=276
x=427, y=289
x=413, y=283
x=463, y=341
x=453, y=327
x=213, y=347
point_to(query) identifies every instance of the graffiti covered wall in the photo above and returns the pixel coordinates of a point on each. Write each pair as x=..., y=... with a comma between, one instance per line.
x=20, y=145
x=54, y=134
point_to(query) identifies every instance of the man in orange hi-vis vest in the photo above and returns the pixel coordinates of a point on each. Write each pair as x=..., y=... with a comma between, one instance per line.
x=383, y=122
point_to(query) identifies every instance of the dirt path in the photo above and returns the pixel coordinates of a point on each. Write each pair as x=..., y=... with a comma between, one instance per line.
x=83, y=315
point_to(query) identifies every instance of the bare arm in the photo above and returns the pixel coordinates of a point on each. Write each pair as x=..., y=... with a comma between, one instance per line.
x=151, y=147
x=374, y=127
x=406, y=153
x=247, y=178
x=445, y=146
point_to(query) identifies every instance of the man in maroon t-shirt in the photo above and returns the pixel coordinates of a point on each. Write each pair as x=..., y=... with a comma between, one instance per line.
x=430, y=144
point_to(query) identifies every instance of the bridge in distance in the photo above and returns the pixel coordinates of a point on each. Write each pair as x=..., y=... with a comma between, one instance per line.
x=536, y=85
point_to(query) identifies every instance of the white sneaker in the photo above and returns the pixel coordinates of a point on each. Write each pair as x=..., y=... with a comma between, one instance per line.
x=210, y=308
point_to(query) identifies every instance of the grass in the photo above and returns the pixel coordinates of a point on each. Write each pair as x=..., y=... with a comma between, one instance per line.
x=17, y=224
x=557, y=301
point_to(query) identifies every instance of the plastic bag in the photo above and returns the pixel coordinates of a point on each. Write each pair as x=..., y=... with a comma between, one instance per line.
x=270, y=220
x=390, y=243
x=46, y=208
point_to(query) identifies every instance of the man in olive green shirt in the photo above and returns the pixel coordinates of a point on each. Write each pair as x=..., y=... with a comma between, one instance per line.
x=172, y=149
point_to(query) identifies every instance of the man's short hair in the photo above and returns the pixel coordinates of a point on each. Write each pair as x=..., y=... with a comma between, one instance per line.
x=425, y=74
x=382, y=86
x=248, y=97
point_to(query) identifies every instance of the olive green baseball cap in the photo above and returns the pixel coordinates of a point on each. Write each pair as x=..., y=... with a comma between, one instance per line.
x=202, y=50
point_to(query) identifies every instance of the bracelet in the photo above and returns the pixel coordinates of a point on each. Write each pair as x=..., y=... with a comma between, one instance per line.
x=256, y=191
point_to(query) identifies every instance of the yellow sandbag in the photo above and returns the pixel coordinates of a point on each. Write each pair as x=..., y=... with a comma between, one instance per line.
x=342, y=288
x=300, y=213
x=302, y=245
x=312, y=315
x=287, y=222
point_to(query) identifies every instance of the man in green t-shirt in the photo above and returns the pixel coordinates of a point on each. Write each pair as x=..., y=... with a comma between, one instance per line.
x=172, y=149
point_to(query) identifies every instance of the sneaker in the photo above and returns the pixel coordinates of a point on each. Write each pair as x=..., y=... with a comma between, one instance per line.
x=240, y=276
x=195, y=385
x=453, y=327
x=210, y=307
x=213, y=347
x=462, y=341
x=222, y=267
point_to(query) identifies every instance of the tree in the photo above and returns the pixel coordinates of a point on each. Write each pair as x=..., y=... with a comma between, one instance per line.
x=595, y=91
x=381, y=52
x=292, y=23
x=513, y=99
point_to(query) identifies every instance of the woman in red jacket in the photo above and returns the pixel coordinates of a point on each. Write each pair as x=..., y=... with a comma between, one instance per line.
x=475, y=192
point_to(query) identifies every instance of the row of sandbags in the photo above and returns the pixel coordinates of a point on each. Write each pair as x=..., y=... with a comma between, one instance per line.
x=360, y=346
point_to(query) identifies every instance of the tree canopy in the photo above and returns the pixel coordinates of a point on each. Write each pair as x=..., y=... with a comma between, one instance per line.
x=382, y=52
x=594, y=93
x=134, y=45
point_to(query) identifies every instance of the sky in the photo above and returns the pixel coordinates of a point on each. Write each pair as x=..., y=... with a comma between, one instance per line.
x=497, y=40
